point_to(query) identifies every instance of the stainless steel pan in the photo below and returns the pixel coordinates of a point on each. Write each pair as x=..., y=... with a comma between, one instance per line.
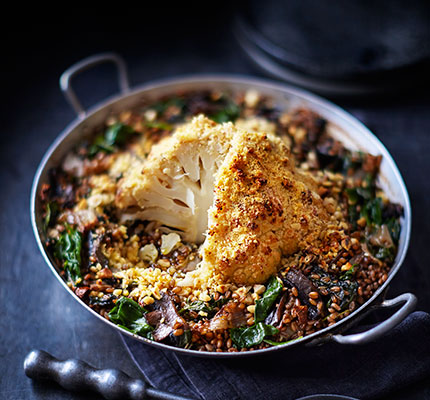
x=342, y=125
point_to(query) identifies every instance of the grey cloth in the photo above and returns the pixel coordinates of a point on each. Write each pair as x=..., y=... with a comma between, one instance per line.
x=400, y=358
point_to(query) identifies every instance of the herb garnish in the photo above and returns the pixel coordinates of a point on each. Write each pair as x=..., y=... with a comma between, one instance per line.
x=210, y=307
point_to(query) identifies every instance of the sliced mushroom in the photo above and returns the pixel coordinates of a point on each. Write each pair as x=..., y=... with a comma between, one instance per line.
x=229, y=316
x=61, y=187
x=275, y=317
x=82, y=292
x=95, y=241
x=167, y=322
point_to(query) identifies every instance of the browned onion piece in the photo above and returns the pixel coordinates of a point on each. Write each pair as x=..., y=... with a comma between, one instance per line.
x=230, y=316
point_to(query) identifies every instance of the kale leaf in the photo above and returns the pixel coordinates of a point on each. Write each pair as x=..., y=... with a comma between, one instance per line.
x=163, y=105
x=129, y=315
x=371, y=207
x=263, y=305
x=255, y=334
x=272, y=343
x=393, y=226
x=68, y=250
x=385, y=253
x=139, y=327
x=372, y=211
x=114, y=136
x=51, y=213
x=345, y=288
x=229, y=112
x=252, y=335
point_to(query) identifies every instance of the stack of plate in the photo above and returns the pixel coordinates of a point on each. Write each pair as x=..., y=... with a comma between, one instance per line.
x=354, y=47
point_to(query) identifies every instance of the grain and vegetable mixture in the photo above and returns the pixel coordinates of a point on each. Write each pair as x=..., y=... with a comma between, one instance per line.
x=219, y=222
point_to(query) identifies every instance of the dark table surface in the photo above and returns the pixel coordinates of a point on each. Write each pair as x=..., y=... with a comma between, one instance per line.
x=36, y=310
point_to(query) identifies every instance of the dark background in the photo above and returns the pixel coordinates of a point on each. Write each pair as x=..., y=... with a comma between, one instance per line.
x=36, y=311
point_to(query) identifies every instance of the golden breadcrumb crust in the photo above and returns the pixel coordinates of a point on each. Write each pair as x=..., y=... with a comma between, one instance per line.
x=263, y=209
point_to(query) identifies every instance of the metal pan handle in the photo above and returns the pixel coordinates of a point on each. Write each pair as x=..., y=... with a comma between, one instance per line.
x=409, y=301
x=68, y=74
x=77, y=375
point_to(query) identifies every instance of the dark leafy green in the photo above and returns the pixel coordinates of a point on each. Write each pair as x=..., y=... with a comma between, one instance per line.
x=370, y=206
x=367, y=191
x=126, y=311
x=164, y=126
x=263, y=305
x=352, y=161
x=352, y=196
x=385, y=253
x=197, y=306
x=105, y=301
x=140, y=327
x=114, y=136
x=230, y=112
x=130, y=315
x=162, y=106
x=252, y=335
x=210, y=307
x=372, y=211
x=353, y=216
x=50, y=214
x=182, y=340
x=347, y=293
x=218, y=303
x=68, y=249
x=349, y=274
x=348, y=287
x=271, y=342
x=393, y=226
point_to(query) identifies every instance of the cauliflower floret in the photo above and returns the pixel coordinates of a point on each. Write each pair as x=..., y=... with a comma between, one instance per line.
x=174, y=186
x=236, y=190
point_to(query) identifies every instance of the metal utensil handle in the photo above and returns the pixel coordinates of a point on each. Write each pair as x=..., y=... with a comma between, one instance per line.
x=83, y=65
x=76, y=375
x=409, y=301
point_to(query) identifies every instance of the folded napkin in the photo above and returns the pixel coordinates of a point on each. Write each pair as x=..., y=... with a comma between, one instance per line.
x=396, y=360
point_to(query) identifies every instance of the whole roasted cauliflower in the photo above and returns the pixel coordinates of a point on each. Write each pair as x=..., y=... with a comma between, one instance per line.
x=236, y=191
x=175, y=184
